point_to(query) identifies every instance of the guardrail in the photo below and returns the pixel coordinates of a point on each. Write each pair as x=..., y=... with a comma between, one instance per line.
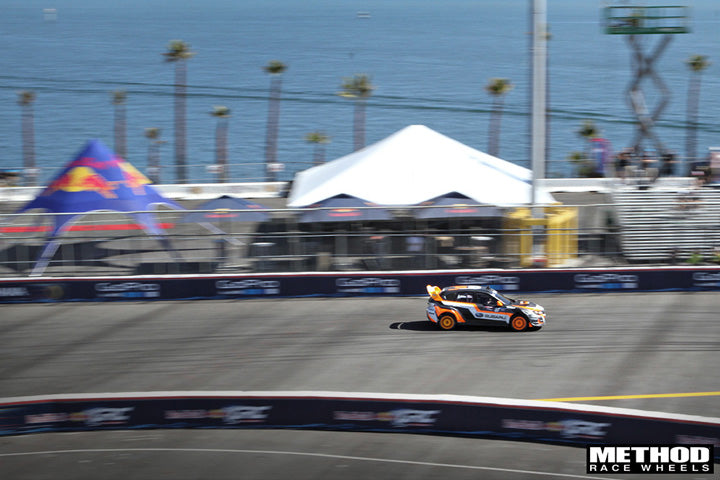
x=167, y=287
x=452, y=415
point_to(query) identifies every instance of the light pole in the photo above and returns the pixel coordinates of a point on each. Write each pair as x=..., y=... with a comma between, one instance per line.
x=538, y=120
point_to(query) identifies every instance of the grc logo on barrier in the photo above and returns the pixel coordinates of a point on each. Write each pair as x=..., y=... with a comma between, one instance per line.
x=568, y=428
x=250, y=286
x=706, y=279
x=397, y=418
x=367, y=285
x=498, y=282
x=606, y=281
x=92, y=417
x=127, y=290
x=230, y=415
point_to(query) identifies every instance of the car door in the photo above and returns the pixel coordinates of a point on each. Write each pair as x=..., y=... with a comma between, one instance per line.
x=488, y=311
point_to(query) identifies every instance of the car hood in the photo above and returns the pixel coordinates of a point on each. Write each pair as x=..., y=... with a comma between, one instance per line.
x=528, y=305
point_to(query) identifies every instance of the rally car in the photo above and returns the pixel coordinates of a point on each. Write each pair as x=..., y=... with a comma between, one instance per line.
x=477, y=305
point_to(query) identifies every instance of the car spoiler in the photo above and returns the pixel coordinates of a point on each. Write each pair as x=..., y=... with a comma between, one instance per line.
x=434, y=292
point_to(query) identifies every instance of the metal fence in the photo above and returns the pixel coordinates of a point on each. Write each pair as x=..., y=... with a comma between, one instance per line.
x=643, y=227
x=107, y=243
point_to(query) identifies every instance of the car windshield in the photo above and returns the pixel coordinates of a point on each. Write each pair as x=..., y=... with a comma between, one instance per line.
x=502, y=297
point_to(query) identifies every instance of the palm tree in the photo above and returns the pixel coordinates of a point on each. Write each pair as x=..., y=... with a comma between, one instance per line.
x=118, y=100
x=696, y=64
x=588, y=131
x=222, y=114
x=154, y=142
x=319, y=139
x=358, y=87
x=178, y=52
x=25, y=100
x=275, y=68
x=497, y=88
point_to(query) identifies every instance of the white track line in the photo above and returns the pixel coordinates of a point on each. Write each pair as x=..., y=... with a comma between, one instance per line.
x=322, y=455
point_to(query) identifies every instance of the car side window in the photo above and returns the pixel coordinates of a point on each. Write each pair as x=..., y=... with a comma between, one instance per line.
x=451, y=296
x=484, y=299
x=465, y=297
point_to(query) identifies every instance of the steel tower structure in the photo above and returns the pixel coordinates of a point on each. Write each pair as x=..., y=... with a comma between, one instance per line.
x=634, y=21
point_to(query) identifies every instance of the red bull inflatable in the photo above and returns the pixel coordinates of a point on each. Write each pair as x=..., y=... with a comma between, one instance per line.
x=97, y=179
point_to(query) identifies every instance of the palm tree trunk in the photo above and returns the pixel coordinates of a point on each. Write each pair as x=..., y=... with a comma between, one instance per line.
x=359, y=124
x=221, y=149
x=28, y=135
x=120, y=131
x=494, y=128
x=693, y=104
x=154, y=161
x=180, y=135
x=271, y=137
x=319, y=157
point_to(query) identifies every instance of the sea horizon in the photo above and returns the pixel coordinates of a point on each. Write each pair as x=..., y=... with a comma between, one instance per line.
x=429, y=62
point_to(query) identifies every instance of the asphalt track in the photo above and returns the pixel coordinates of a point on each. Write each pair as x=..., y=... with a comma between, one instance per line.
x=632, y=346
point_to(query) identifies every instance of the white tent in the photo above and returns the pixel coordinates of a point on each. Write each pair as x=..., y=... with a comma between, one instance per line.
x=413, y=165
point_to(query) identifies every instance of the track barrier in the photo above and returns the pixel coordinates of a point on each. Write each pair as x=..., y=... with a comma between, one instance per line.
x=453, y=415
x=197, y=286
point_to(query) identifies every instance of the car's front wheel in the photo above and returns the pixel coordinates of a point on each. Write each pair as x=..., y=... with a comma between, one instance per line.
x=446, y=322
x=518, y=323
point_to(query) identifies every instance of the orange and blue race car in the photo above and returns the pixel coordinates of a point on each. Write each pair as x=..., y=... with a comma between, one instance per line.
x=477, y=305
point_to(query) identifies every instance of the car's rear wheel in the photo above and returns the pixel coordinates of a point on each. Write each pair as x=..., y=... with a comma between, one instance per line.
x=518, y=323
x=446, y=322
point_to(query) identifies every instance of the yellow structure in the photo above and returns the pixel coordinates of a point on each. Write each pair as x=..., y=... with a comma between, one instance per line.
x=560, y=235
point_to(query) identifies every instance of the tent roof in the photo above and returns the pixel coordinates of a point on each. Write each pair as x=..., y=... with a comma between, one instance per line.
x=97, y=179
x=455, y=205
x=225, y=209
x=413, y=165
x=343, y=208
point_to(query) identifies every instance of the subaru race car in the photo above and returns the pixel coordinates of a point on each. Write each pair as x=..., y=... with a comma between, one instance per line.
x=476, y=305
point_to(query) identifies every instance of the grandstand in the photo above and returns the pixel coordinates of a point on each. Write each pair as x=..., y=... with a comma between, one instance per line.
x=666, y=226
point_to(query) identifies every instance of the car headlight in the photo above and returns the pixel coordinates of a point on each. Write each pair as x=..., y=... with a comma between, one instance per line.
x=530, y=313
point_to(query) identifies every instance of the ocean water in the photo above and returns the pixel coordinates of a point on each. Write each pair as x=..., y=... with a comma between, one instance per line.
x=429, y=61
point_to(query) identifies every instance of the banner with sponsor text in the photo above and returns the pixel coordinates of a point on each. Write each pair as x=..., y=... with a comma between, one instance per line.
x=165, y=287
x=484, y=417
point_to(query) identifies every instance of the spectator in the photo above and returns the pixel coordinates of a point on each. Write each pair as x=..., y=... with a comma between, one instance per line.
x=667, y=167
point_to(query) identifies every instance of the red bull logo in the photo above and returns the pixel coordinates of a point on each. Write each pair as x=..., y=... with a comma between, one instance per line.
x=461, y=208
x=221, y=213
x=133, y=178
x=81, y=179
x=344, y=212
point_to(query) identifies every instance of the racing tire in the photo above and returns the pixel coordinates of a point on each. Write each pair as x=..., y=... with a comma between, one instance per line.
x=518, y=323
x=446, y=322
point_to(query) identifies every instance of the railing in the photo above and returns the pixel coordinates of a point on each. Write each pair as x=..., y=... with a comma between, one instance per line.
x=642, y=226
x=103, y=243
